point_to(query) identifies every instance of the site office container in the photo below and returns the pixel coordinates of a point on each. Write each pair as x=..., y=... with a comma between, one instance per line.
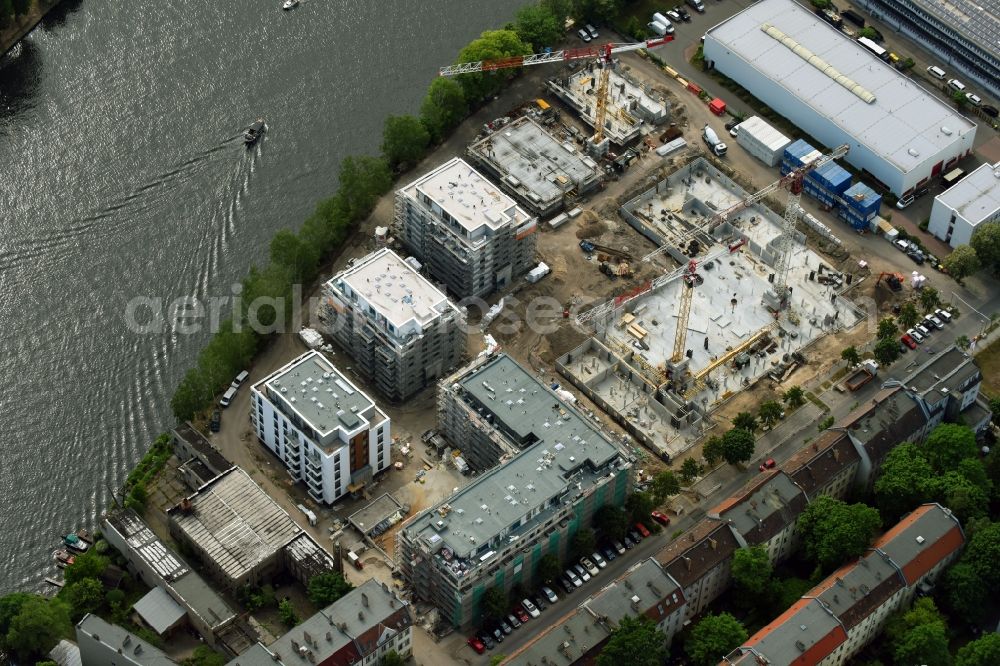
x=863, y=200
x=762, y=140
x=799, y=152
x=831, y=177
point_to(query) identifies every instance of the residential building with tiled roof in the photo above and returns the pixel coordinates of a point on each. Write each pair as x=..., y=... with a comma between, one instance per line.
x=825, y=467
x=700, y=561
x=948, y=385
x=837, y=618
x=764, y=513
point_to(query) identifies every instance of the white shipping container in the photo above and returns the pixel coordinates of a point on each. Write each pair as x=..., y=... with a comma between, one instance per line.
x=761, y=140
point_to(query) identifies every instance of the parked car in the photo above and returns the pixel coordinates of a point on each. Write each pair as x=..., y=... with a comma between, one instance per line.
x=673, y=15
x=550, y=595
x=522, y=615
x=660, y=517
x=596, y=558
x=216, y=423
x=505, y=627
x=609, y=553
x=589, y=566
x=513, y=621
x=591, y=30
x=584, y=35
x=573, y=578
x=908, y=341
x=923, y=330
x=990, y=110
x=974, y=100
x=476, y=645
x=935, y=322
x=566, y=584
x=643, y=530
x=767, y=464
x=530, y=607
x=628, y=542
x=620, y=547
x=917, y=256
x=943, y=315
x=581, y=572
x=486, y=639
x=497, y=634
x=902, y=245
x=903, y=348
x=683, y=12
x=539, y=601
x=917, y=337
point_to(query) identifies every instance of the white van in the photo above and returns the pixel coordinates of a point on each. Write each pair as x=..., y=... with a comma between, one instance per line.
x=227, y=397
x=955, y=84
x=936, y=72
x=240, y=378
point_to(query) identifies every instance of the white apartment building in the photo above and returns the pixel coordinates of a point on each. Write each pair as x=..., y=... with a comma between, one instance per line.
x=468, y=234
x=326, y=431
x=400, y=330
x=961, y=208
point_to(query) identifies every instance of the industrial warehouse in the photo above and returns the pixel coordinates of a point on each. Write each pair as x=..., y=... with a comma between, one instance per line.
x=900, y=135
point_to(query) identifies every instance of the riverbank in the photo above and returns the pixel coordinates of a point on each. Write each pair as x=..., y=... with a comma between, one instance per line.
x=21, y=26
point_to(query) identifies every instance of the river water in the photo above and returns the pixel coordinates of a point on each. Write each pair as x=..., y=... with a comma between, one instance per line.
x=123, y=174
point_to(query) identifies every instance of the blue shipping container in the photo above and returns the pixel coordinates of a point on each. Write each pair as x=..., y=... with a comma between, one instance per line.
x=832, y=177
x=795, y=152
x=863, y=199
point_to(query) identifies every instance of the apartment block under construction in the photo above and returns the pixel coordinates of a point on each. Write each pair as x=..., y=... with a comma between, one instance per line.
x=557, y=469
x=466, y=232
x=401, y=331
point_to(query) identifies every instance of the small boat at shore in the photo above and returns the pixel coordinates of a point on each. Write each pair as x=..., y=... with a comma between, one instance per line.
x=63, y=557
x=74, y=542
x=86, y=535
x=290, y=4
x=254, y=132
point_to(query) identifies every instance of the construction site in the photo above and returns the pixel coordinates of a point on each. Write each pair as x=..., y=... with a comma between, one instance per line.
x=748, y=298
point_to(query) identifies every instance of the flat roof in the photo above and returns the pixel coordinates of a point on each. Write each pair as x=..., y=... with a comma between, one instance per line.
x=159, y=610
x=905, y=124
x=945, y=372
x=533, y=161
x=319, y=393
x=133, y=650
x=393, y=288
x=235, y=523
x=568, y=449
x=468, y=197
x=977, y=196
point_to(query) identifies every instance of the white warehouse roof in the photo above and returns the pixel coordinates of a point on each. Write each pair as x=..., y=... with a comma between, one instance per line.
x=977, y=196
x=899, y=120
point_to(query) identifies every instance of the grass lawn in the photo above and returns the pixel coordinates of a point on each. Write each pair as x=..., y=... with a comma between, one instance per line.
x=989, y=363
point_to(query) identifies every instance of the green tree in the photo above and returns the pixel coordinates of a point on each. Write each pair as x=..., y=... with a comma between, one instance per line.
x=948, y=444
x=826, y=423
x=443, y=108
x=962, y=262
x=583, y=542
x=362, y=181
x=959, y=99
x=963, y=342
x=115, y=598
x=833, y=531
x=908, y=315
x=86, y=565
x=770, y=412
x=795, y=397
x=961, y=496
x=84, y=596
x=886, y=350
x=638, y=506
x=549, y=568
x=206, y=656
x=851, y=355
x=38, y=626
x=599, y=11
x=712, y=450
x=404, y=140
x=926, y=645
x=265, y=308
x=982, y=553
x=752, y=571
x=299, y=257
x=737, y=446
x=713, y=637
x=326, y=588
x=491, y=45
x=902, y=483
x=611, y=521
x=887, y=328
x=820, y=4
x=665, y=485
x=690, y=470
x=287, y=614
x=635, y=641
x=392, y=658
x=10, y=606
x=929, y=298
x=964, y=592
x=984, y=651
x=538, y=26
x=986, y=242
x=494, y=603
x=746, y=421
x=497, y=659
x=868, y=32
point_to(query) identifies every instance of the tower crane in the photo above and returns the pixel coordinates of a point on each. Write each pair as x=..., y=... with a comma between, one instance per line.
x=602, y=54
x=794, y=176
